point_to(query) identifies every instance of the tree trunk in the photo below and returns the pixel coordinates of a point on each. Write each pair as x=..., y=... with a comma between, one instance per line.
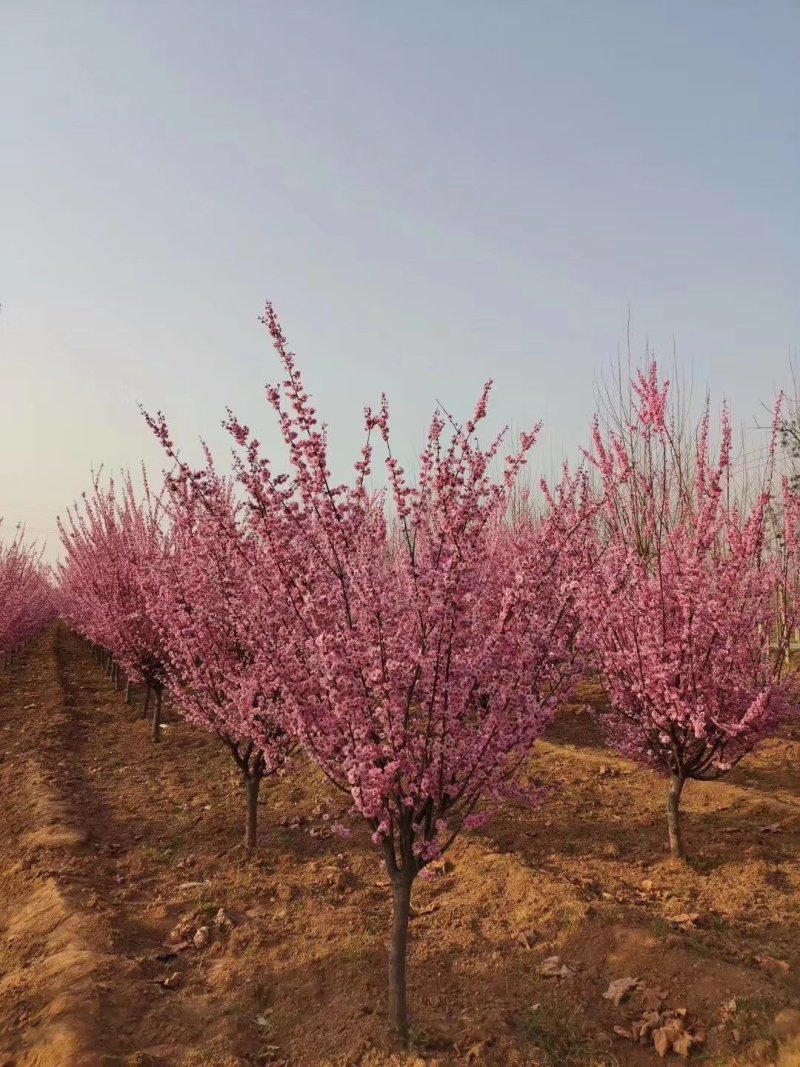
x=673, y=816
x=398, y=1008
x=157, y=715
x=146, y=702
x=127, y=691
x=252, y=784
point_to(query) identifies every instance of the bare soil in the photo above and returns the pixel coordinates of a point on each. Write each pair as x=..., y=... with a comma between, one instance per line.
x=108, y=843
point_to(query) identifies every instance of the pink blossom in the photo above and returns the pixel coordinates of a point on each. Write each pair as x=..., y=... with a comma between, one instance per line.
x=679, y=599
x=25, y=593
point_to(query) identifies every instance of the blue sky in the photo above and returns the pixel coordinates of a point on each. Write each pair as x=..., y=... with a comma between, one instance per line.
x=431, y=194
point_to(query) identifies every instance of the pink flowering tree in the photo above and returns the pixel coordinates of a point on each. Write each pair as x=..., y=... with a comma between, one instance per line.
x=25, y=594
x=116, y=546
x=202, y=612
x=417, y=653
x=680, y=601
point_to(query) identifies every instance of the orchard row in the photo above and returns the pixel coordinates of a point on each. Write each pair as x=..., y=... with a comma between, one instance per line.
x=415, y=642
x=26, y=596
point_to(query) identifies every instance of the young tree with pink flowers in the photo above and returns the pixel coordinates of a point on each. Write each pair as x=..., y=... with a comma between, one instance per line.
x=116, y=544
x=680, y=598
x=417, y=655
x=202, y=612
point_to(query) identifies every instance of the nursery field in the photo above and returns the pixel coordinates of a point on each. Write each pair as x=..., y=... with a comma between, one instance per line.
x=136, y=930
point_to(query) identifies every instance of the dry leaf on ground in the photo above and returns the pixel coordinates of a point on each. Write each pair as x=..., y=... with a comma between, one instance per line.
x=729, y=1009
x=686, y=920
x=619, y=989
x=552, y=967
x=527, y=938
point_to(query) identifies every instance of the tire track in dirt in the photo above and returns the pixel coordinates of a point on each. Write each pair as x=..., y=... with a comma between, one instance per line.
x=135, y=1013
x=48, y=955
x=75, y=990
x=124, y=787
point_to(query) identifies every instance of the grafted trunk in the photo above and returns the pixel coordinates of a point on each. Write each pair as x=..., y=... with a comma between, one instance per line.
x=402, y=882
x=674, y=816
x=156, y=734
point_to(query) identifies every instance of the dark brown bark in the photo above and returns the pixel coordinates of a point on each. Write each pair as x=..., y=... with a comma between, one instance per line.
x=146, y=702
x=250, y=762
x=673, y=816
x=252, y=785
x=128, y=691
x=156, y=733
x=398, y=1005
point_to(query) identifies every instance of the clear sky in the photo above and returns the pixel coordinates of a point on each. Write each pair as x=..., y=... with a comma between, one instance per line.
x=431, y=193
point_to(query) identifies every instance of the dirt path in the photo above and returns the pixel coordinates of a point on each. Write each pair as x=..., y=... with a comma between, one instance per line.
x=81, y=942
x=108, y=843
x=50, y=954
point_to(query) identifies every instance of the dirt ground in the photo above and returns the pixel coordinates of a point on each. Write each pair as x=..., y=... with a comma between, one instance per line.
x=115, y=851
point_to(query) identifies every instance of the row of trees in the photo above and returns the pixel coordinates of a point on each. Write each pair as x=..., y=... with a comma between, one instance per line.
x=26, y=599
x=415, y=642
